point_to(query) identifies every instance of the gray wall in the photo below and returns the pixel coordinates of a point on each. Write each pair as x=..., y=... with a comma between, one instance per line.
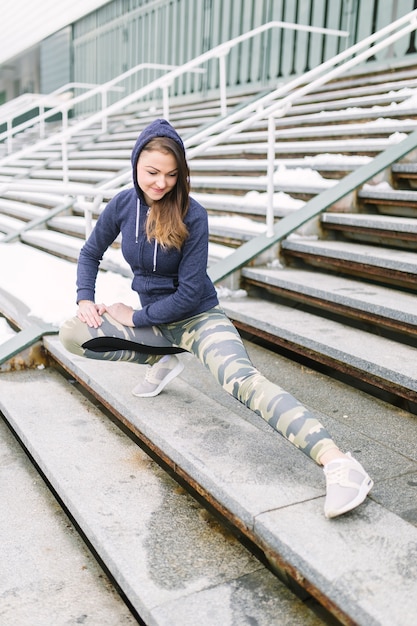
x=125, y=33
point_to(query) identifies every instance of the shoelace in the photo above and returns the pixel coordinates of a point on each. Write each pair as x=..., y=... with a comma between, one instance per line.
x=340, y=475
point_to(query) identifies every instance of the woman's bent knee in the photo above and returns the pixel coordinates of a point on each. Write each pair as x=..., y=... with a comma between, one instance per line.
x=70, y=335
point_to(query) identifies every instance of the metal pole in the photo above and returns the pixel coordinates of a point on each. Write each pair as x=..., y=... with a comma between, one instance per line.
x=270, y=177
x=222, y=79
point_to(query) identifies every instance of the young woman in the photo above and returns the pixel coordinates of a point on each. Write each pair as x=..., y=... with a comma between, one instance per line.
x=165, y=241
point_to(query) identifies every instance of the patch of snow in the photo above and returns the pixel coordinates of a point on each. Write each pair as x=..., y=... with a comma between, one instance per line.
x=47, y=284
x=281, y=199
x=327, y=157
x=276, y=264
x=300, y=176
x=382, y=186
x=223, y=293
x=397, y=137
x=237, y=223
x=6, y=331
x=302, y=237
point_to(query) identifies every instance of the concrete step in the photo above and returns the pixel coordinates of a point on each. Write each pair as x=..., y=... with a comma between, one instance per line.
x=258, y=167
x=21, y=210
x=243, y=184
x=351, y=86
x=385, y=102
x=68, y=247
x=375, y=304
x=400, y=232
x=107, y=155
x=249, y=205
x=385, y=265
x=10, y=224
x=369, y=147
x=66, y=241
x=109, y=144
x=11, y=171
x=398, y=111
x=48, y=575
x=383, y=128
x=58, y=244
x=268, y=489
x=407, y=172
x=233, y=230
x=84, y=176
x=383, y=363
x=388, y=200
x=96, y=163
x=174, y=562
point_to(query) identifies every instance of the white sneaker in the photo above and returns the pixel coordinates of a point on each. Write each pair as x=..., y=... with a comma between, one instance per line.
x=347, y=485
x=158, y=376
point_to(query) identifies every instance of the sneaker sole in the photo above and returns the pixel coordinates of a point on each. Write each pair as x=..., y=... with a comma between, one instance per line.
x=173, y=373
x=362, y=493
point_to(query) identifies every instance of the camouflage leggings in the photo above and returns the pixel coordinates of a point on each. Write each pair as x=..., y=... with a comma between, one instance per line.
x=213, y=339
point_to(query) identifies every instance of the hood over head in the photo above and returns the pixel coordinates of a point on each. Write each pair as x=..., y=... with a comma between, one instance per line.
x=157, y=128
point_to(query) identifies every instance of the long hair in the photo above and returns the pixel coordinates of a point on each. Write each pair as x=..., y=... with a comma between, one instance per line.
x=165, y=222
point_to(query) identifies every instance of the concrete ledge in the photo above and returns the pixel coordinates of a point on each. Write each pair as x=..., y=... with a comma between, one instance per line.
x=384, y=258
x=398, y=225
x=175, y=563
x=48, y=576
x=390, y=307
x=257, y=476
x=384, y=361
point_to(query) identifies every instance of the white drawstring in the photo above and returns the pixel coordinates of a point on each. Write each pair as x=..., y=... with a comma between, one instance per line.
x=137, y=219
x=155, y=249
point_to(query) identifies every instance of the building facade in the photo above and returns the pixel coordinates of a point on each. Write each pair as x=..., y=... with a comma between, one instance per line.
x=121, y=34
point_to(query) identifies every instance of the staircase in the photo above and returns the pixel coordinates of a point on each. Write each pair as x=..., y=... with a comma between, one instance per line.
x=338, y=296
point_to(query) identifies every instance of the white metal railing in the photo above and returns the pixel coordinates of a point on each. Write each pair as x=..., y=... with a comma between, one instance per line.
x=162, y=83
x=266, y=107
x=61, y=102
x=287, y=94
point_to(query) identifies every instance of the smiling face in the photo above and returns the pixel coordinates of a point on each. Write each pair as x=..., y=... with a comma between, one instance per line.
x=157, y=174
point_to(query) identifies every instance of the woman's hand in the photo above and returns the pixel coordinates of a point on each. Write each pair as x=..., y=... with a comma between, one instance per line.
x=121, y=313
x=90, y=313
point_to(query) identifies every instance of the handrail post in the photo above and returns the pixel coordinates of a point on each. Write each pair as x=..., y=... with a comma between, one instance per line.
x=222, y=82
x=88, y=216
x=64, y=148
x=104, y=108
x=41, y=122
x=165, y=99
x=270, y=177
x=9, y=135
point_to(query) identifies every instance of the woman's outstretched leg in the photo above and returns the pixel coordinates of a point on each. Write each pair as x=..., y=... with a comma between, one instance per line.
x=215, y=341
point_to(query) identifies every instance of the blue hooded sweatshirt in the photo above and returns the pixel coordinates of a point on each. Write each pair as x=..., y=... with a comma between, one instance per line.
x=171, y=284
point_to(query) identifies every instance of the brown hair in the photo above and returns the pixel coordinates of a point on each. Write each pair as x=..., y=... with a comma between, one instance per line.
x=166, y=220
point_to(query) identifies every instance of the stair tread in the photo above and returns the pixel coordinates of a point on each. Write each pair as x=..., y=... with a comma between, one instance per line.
x=321, y=162
x=400, y=260
x=386, y=302
x=360, y=128
x=302, y=147
x=153, y=537
x=249, y=183
x=392, y=194
x=48, y=574
x=247, y=451
x=363, y=350
x=363, y=220
x=69, y=246
x=252, y=204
